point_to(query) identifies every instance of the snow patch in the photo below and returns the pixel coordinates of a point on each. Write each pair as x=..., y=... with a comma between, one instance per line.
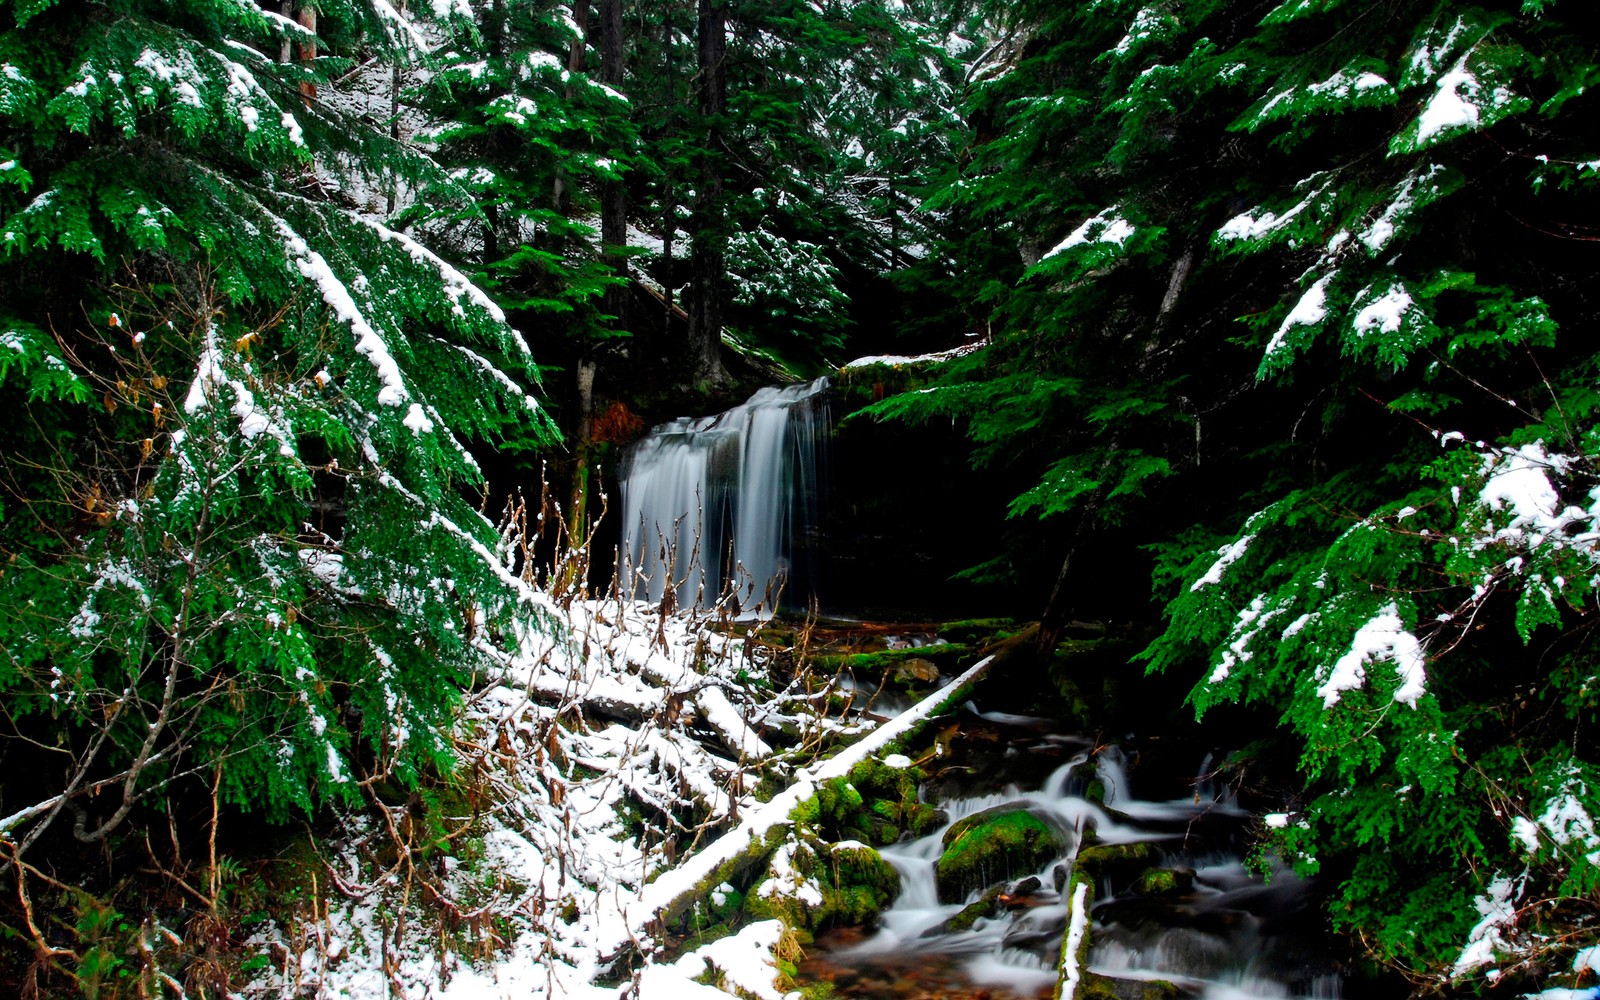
x=1106, y=227
x=1309, y=311
x=1499, y=917
x=1382, y=638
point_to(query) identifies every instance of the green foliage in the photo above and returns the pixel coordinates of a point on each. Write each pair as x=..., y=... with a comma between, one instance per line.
x=241, y=543
x=1322, y=351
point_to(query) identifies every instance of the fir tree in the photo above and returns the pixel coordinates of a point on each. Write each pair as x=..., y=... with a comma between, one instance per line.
x=236, y=544
x=1309, y=271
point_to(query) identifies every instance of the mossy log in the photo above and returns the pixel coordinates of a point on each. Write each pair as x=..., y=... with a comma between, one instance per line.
x=753, y=842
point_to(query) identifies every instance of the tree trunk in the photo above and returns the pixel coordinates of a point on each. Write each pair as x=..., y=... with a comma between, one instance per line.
x=578, y=518
x=706, y=257
x=613, y=203
x=308, y=50
x=669, y=204
x=575, y=59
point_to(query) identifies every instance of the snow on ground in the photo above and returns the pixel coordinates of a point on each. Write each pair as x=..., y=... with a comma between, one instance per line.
x=602, y=765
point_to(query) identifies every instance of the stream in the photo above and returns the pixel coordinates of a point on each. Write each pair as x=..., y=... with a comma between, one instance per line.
x=1221, y=933
x=723, y=510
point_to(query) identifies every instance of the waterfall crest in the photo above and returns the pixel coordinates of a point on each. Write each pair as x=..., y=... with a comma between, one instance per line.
x=724, y=503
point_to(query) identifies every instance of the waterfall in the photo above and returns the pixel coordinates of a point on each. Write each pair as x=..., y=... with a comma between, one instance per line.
x=726, y=502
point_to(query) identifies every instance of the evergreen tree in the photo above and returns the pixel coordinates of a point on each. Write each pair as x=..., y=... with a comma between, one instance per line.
x=235, y=542
x=838, y=117
x=1303, y=269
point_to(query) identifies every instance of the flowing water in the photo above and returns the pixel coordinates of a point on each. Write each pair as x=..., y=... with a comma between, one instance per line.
x=1230, y=936
x=721, y=505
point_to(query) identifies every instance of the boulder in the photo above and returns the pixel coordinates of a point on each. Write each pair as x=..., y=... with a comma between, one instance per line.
x=994, y=846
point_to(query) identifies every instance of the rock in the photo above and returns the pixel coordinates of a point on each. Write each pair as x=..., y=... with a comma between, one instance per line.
x=1096, y=987
x=915, y=671
x=1026, y=887
x=994, y=845
x=987, y=906
x=1164, y=882
x=1059, y=876
x=811, y=886
x=1120, y=864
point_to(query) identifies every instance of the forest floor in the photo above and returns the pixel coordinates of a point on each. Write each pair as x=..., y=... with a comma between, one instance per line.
x=608, y=776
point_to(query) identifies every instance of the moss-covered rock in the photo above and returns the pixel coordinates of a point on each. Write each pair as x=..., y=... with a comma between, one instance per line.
x=876, y=803
x=975, y=631
x=811, y=886
x=987, y=905
x=1163, y=882
x=914, y=672
x=1120, y=864
x=949, y=655
x=992, y=846
x=1096, y=987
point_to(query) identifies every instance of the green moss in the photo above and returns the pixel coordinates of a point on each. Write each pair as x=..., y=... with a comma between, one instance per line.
x=854, y=882
x=994, y=845
x=1163, y=882
x=987, y=906
x=763, y=904
x=975, y=631
x=946, y=655
x=822, y=989
x=1121, y=864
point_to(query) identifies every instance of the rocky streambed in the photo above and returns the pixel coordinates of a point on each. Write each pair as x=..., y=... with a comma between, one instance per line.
x=1031, y=818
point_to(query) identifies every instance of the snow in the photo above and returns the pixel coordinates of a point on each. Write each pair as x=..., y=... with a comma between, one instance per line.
x=1144, y=26
x=1077, y=927
x=1251, y=621
x=1425, y=60
x=1517, y=482
x=1400, y=207
x=1253, y=226
x=1452, y=107
x=1383, y=638
x=556, y=845
x=369, y=343
x=1309, y=311
x=1567, y=821
x=1386, y=313
x=457, y=286
x=1294, y=627
x=744, y=959
x=254, y=420
x=902, y=359
x=417, y=420
x=1227, y=555
x=897, y=761
x=1499, y=916
x=1107, y=227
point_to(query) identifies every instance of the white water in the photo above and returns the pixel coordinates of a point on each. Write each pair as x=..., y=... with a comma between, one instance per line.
x=715, y=504
x=1215, y=943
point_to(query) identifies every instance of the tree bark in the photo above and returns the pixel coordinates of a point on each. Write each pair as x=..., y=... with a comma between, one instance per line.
x=669, y=203
x=575, y=60
x=706, y=253
x=613, y=196
x=308, y=50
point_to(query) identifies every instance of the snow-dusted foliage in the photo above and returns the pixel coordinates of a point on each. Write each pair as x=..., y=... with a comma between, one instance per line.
x=236, y=545
x=590, y=751
x=614, y=772
x=1321, y=357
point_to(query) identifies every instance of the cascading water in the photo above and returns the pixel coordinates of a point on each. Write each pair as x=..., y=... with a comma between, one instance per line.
x=1226, y=936
x=719, y=505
